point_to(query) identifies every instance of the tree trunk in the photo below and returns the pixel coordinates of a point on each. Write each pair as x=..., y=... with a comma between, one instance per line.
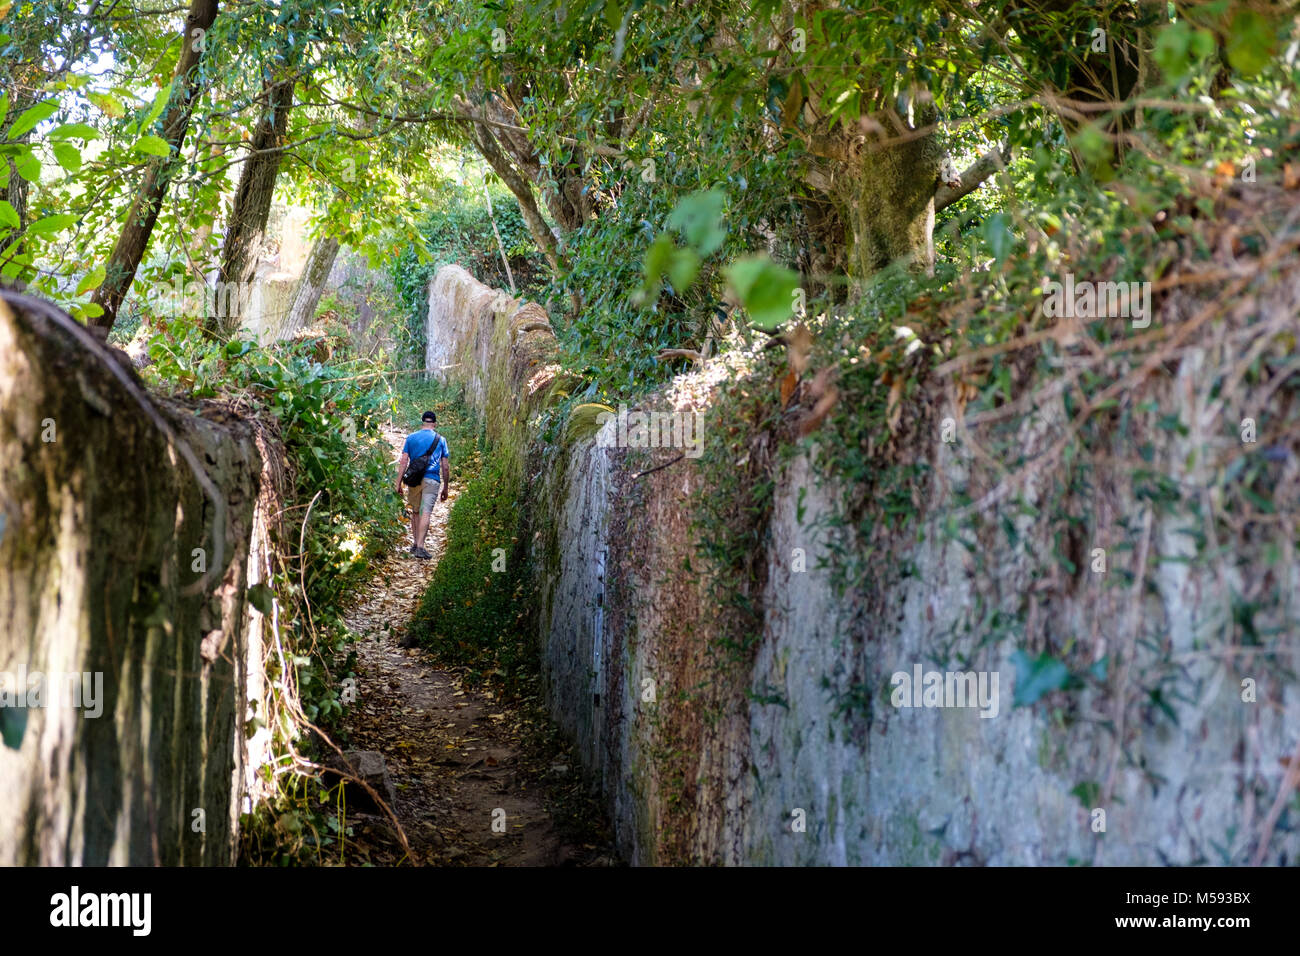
x=566, y=198
x=523, y=192
x=882, y=195
x=250, y=211
x=307, y=293
x=890, y=203
x=134, y=239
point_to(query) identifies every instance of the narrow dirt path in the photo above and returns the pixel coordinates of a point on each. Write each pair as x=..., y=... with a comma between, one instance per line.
x=458, y=757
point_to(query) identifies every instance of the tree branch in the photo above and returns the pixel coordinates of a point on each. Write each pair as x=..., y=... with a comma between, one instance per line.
x=972, y=176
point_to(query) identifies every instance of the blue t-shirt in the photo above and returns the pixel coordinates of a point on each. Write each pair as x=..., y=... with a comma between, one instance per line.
x=419, y=442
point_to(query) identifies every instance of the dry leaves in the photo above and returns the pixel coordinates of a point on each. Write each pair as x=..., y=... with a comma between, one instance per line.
x=823, y=394
x=789, y=382
x=798, y=347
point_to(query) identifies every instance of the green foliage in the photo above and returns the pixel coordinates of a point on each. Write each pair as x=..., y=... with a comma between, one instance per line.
x=304, y=825
x=327, y=419
x=648, y=273
x=1037, y=676
x=474, y=613
x=458, y=230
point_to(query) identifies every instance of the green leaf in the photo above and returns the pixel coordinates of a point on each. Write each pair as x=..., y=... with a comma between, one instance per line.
x=108, y=104
x=261, y=597
x=28, y=119
x=1202, y=44
x=699, y=219
x=682, y=268
x=159, y=104
x=1158, y=698
x=74, y=131
x=1251, y=42
x=657, y=258
x=997, y=233
x=9, y=215
x=1088, y=792
x=152, y=145
x=4, y=108
x=28, y=166
x=50, y=225
x=765, y=289
x=1034, y=678
x=1179, y=46
x=13, y=724
x=1092, y=144
x=1098, y=670
x=1170, y=51
x=68, y=156
x=92, y=280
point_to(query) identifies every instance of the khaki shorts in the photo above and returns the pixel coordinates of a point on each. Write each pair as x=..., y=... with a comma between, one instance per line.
x=421, y=498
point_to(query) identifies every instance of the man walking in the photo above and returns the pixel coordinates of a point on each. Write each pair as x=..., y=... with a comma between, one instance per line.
x=421, y=496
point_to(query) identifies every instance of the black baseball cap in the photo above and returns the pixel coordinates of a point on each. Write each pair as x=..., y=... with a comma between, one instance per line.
x=429, y=417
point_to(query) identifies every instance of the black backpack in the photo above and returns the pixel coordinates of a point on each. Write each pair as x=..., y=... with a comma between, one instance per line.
x=414, y=473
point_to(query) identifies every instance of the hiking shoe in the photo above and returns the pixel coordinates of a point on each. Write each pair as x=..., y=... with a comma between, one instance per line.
x=421, y=554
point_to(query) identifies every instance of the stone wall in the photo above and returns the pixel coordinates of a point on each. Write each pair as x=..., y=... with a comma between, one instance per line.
x=798, y=756
x=129, y=532
x=268, y=306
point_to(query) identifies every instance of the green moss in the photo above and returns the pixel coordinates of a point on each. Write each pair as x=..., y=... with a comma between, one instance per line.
x=475, y=612
x=914, y=846
x=479, y=510
x=1045, y=750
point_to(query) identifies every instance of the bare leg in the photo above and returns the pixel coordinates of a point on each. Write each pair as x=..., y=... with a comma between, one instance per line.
x=421, y=528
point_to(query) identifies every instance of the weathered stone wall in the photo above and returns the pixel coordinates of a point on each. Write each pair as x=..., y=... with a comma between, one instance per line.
x=268, y=306
x=716, y=766
x=464, y=313
x=105, y=529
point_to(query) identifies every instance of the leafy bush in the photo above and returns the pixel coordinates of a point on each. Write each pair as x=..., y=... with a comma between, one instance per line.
x=337, y=485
